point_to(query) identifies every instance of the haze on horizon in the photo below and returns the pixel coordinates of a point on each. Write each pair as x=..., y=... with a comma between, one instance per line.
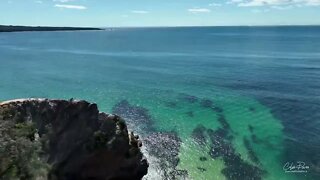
x=126, y=13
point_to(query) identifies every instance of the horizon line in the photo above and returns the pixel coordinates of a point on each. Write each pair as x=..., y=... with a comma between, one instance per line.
x=178, y=26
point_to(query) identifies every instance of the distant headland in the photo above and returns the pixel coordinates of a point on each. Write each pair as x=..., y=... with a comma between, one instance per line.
x=4, y=28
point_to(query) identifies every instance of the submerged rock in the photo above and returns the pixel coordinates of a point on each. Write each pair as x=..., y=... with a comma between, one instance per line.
x=199, y=135
x=236, y=168
x=221, y=148
x=137, y=118
x=201, y=169
x=207, y=103
x=171, y=104
x=165, y=146
x=252, y=109
x=188, y=98
x=224, y=123
x=252, y=154
x=58, y=139
x=203, y=158
x=190, y=113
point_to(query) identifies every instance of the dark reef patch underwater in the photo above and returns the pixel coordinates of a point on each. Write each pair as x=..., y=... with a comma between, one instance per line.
x=208, y=102
x=164, y=147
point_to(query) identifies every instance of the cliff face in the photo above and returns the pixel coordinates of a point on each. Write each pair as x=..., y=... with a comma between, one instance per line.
x=58, y=139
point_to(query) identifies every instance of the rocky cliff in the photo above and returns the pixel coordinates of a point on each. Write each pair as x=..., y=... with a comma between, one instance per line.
x=58, y=139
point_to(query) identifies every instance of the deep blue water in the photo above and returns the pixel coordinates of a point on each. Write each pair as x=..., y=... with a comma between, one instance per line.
x=279, y=67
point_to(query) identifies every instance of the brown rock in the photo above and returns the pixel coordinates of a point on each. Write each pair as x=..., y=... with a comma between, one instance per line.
x=70, y=139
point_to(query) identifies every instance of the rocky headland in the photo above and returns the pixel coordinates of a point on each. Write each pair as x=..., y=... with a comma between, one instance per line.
x=60, y=140
x=44, y=28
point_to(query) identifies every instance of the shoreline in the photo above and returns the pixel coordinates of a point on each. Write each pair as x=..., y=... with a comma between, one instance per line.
x=5, y=28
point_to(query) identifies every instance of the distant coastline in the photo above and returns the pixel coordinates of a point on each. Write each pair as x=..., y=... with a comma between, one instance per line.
x=44, y=28
x=13, y=28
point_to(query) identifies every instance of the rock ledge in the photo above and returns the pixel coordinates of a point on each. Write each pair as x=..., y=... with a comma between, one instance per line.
x=60, y=140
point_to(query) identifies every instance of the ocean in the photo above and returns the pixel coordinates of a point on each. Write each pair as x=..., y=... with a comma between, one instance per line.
x=208, y=102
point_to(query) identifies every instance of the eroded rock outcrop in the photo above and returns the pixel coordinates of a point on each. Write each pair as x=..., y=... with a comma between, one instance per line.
x=58, y=139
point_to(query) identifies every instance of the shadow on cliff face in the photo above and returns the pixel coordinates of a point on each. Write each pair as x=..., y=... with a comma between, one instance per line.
x=57, y=139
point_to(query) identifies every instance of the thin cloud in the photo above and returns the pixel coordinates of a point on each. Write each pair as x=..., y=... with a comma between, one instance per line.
x=215, y=4
x=139, y=12
x=63, y=1
x=282, y=7
x=260, y=10
x=199, y=10
x=313, y=3
x=66, y=6
x=278, y=3
x=234, y=1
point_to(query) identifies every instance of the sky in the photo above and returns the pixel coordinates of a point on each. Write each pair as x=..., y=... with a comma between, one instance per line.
x=127, y=13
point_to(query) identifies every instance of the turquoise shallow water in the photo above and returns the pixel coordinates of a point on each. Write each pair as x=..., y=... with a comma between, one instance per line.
x=230, y=102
